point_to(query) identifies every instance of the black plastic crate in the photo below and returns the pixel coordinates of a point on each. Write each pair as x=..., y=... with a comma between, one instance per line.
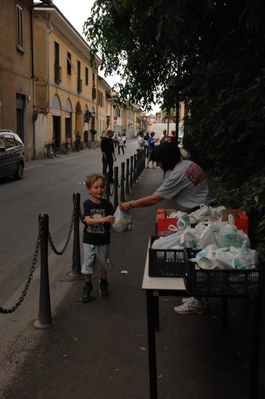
x=166, y=262
x=222, y=282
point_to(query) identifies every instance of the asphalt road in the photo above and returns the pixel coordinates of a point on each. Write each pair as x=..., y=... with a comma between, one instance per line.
x=48, y=186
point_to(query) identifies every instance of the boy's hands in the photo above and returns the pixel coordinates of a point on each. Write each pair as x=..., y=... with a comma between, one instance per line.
x=110, y=218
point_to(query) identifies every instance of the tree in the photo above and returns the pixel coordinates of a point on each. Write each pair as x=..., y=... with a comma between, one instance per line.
x=136, y=45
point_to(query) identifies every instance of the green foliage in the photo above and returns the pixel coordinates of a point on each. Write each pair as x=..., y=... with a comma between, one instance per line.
x=250, y=197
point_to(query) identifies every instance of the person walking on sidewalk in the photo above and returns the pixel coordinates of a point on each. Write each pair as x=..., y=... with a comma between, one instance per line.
x=98, y=214
x=140, y=142
x=120, y=144
x=108, y=154
x=188, y=186
x=150, y=148
x=77, y=141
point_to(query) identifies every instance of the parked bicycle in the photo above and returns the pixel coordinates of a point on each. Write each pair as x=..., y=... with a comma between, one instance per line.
x=67, y=146
x=52, y=150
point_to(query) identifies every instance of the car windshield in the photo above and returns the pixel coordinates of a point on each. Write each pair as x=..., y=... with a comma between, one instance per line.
x=10, y=142
x=2, y=142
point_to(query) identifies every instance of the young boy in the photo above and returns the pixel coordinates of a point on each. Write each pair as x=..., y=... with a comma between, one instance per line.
x=98, y=215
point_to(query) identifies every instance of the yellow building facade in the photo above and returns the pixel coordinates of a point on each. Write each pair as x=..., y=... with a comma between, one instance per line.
x=16, y=71
x=66, y=85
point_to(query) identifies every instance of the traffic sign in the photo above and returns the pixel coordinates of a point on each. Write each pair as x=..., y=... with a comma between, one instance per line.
x=115, y=122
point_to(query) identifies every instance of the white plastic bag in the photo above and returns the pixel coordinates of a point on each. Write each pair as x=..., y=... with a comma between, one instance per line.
x=237, y=258
x=228, y=235
x=182, y=238
x=206, y=258
x=182, y=218
x=123, y=221
x=200, y=214
x=205, y=235
x=213, y=257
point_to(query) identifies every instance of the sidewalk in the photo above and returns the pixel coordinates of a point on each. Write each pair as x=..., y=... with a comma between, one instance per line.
x=99, y=349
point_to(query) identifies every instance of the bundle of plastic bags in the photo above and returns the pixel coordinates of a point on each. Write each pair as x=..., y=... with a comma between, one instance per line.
x=221, y=234
x=205, y=213
x=213, y=257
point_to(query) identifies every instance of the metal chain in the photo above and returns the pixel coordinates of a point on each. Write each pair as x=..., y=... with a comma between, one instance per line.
x=111, y=192
x=32, y=269
x=81, y=217
x=69, y=234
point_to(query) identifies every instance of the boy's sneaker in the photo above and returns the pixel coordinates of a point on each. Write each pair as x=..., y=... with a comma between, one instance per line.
x=86, y=292
x=204, y=301
x=190, y=307
x=103, y=289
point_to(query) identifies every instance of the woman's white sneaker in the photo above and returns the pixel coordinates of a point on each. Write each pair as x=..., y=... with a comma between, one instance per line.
x=190, y=307
x=204, y=301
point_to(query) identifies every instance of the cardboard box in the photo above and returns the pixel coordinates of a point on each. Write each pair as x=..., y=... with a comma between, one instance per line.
x=240, y=218
x=163, y=222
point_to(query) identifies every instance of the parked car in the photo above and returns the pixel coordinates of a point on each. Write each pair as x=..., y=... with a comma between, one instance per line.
x=12, y=160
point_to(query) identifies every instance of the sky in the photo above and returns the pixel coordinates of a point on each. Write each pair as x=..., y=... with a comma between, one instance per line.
x=77, y=13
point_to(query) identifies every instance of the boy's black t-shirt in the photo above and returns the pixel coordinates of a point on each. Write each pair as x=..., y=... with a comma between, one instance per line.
x=97, y=234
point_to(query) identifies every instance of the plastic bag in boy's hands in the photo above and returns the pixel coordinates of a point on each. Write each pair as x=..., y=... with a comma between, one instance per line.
x=123, y=221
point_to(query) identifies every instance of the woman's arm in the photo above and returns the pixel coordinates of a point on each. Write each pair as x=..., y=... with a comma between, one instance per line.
x=142, y=202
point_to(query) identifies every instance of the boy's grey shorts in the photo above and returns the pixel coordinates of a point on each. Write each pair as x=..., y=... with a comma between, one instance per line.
x=93, y=252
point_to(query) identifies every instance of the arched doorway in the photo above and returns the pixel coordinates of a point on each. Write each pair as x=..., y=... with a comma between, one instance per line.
x=68, y=119
x=79, y=119
x=86, y=113
x=56, y=120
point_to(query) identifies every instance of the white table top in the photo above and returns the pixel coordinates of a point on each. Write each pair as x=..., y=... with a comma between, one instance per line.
x=160, y=283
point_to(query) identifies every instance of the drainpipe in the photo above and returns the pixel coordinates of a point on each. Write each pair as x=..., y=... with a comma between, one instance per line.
x=51, y=29
x=33, y=82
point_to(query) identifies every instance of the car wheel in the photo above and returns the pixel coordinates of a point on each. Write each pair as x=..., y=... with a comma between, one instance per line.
x=19, y=173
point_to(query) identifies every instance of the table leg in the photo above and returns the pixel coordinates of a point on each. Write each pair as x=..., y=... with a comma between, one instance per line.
x=151, y=324
x=224, y=313
x=156, y=311
x=254, y=372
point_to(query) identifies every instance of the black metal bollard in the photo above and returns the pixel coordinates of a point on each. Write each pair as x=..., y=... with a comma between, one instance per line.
x=122, y=197
x=138, y=157
x=127, y=176
x=143, y=155
x=131, y=172
x=45, y=318
x=116, y=183
x=107, y=187
x=135, y=168
x=76, y=258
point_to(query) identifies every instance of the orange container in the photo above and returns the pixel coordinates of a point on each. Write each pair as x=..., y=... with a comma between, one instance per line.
x=240, y=218
x=163, y=222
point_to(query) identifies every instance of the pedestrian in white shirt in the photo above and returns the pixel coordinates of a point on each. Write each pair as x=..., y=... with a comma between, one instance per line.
x=140, y=142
